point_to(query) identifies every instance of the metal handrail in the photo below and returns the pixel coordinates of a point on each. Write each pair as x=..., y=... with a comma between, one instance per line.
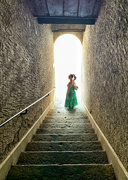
x=26, y=108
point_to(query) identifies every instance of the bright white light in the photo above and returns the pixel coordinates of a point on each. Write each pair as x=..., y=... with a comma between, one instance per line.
x=68, y=53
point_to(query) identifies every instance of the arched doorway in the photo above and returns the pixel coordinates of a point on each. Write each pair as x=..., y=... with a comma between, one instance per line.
x=68, y=55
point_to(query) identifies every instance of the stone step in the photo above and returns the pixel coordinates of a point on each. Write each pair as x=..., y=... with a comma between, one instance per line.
x=66, y=125
x=79, y=172
x=64, y=146
x=65, y=137
x=58, y=110
x=64, y=157
x=62, y=111
x=66, y=115
x=71, y=112
x=64, y=131
x=66, y=120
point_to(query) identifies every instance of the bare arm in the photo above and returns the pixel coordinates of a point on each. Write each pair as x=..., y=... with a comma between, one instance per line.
x=68, y=90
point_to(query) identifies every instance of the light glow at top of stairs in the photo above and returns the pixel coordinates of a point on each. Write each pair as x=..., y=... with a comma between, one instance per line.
x=68, y=55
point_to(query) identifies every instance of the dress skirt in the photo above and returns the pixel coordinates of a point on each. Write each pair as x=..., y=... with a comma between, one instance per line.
x=71, y=99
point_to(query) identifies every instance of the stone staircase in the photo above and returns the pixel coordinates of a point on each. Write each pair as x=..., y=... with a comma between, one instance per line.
x=65, y=147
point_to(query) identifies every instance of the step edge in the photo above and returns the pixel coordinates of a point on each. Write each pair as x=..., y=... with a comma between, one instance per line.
x=32, y=152
x=66, y=134
x=66, y=123
x=64, y=128
x=18, y=165
x=55, y=142
x=61, y=141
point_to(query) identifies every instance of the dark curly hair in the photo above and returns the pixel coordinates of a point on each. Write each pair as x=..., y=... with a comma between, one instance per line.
x=72, y=76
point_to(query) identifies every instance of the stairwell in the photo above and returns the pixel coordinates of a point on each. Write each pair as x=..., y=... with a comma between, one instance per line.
x=65, y=147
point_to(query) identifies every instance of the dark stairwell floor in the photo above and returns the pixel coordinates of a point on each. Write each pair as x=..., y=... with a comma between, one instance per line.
x=65, y=147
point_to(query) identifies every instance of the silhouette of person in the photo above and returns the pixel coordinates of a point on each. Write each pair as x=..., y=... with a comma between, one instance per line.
x=71, y=99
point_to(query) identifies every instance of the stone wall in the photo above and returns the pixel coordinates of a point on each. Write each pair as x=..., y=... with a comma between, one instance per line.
x=26, y=67
x=105, y=74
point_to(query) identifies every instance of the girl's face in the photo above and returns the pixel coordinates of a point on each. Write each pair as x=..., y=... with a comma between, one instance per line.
x=70, y=77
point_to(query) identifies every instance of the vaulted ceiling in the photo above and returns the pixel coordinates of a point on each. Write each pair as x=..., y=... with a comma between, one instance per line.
x=66, y=11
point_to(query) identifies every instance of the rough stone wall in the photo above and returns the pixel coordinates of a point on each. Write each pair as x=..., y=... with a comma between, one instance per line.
x=105, y=74
x=26, y=70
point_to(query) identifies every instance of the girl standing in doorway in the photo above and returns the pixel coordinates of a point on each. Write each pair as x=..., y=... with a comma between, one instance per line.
x=71, y=99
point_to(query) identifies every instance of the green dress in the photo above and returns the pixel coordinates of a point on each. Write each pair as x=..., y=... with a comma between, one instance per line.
x=71, y=99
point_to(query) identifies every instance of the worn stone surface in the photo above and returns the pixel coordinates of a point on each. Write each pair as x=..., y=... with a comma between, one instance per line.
x=66, y=131
x=65, y=172
x=105, y=74
x=65, y=119
x=63, y=158
x=26, y=70
x=76, y=156
x=65, y=137
x=66, y=125
x=64, y=146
